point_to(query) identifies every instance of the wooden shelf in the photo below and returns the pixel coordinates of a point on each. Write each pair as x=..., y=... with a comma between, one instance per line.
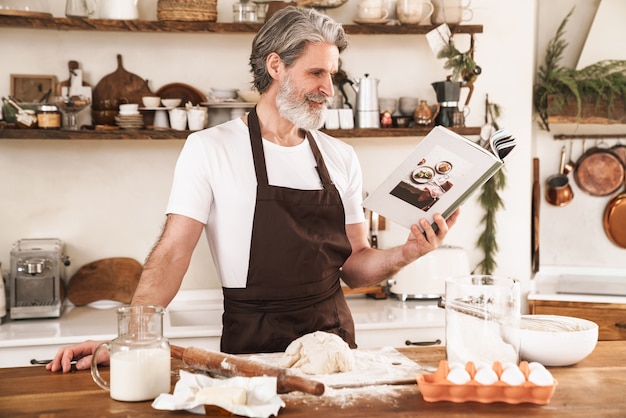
x=153, y=134
x=106, y=25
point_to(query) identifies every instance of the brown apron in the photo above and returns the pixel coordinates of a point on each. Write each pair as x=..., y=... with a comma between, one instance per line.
x=299, y=244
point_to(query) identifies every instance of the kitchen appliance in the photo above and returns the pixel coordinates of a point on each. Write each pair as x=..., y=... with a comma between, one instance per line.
x=37, y=278
x=367, y=111
x=425, y=277
x=448, y=95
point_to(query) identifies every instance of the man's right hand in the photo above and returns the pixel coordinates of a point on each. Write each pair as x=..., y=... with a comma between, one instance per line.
x=82, y=353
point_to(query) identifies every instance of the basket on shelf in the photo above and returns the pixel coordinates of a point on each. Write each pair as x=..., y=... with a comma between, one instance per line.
x=189, y=10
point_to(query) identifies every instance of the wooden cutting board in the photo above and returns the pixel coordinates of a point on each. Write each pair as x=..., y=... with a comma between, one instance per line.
x=121, y=84
x=71, y=65
x=107, y=279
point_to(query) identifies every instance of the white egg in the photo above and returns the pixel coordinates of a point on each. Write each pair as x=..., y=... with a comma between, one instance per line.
x=482, y=365
x=456, y=365
x=459, y=376
x=533, y=365
x=541, y=377
x=486, y=376
x=509, y=365
x=513, y=376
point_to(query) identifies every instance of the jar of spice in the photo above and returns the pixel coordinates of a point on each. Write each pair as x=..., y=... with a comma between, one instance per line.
x=48, y=117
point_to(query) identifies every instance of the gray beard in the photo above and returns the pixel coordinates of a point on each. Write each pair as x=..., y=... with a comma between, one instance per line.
x=296, y=110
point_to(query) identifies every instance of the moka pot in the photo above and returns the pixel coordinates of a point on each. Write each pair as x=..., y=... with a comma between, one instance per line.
x=367, y=111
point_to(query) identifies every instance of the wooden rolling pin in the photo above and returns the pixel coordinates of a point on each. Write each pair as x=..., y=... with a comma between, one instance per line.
x=230, y=365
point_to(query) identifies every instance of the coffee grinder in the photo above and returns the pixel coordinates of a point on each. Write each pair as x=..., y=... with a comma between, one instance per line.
x=37, y=278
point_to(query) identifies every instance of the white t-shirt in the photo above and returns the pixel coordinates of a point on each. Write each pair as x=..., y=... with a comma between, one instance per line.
x=215, y=183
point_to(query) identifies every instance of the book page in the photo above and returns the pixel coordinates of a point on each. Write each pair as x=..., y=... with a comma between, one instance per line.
x=437, y=177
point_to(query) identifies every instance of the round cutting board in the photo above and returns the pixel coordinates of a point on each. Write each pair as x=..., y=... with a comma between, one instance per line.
x=121, y=84
x=107, y=279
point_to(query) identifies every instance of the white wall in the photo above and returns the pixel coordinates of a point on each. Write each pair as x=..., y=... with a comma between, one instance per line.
x=106, y=198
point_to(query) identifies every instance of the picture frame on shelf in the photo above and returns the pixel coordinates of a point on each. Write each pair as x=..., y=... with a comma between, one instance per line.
x=31, y=88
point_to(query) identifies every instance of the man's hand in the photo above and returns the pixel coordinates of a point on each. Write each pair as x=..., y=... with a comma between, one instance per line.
x=82, y=353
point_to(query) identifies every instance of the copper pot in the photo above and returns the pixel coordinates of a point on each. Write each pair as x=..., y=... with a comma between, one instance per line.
x=558, y=190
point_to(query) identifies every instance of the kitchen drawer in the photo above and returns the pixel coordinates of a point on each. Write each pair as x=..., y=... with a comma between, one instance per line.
x=610, y=317
x=398, y=337
x=21, y=356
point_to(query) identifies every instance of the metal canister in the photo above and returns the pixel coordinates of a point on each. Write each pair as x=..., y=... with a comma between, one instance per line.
x=48, y=117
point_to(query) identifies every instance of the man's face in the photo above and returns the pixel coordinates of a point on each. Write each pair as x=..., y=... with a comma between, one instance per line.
x=307, y=87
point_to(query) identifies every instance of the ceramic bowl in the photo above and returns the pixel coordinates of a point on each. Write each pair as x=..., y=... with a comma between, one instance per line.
x=223, y=94
x=554, y=340
x=171, y=103
x=250, y=96
x=151, y=101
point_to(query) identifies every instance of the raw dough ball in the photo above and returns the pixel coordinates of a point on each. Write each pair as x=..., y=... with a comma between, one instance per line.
x=319, y=353
x=213, y=395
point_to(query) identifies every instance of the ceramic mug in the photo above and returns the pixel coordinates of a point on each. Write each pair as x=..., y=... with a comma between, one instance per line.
x=118, y=9
x=178, y=118
x=451, y=12
x=80, y=8
x=346, y=118
x=331, y=119
x=197, y=118
x=372, y=10
x=413, y=11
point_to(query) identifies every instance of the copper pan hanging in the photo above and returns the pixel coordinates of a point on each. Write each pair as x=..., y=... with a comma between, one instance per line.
x=614, y=219
x=599, y=171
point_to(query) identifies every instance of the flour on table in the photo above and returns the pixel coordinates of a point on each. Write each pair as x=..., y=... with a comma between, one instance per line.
x=318, y=353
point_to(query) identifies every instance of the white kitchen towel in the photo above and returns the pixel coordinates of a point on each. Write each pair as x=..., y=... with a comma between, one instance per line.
x=262, y=399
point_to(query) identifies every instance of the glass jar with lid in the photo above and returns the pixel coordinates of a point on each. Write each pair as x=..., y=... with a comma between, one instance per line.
x=245, y=12
x=48, y=117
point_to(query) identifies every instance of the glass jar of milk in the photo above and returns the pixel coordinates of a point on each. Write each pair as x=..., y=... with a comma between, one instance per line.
x=139, y=356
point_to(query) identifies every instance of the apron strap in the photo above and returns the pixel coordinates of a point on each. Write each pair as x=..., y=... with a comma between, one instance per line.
x=258, y=155
x=322, y=171
x=256, y=141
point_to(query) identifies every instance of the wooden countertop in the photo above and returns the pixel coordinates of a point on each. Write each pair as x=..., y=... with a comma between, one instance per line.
x=593, y=387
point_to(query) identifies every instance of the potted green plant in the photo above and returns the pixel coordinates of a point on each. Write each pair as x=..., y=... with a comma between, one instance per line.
x=595, y=93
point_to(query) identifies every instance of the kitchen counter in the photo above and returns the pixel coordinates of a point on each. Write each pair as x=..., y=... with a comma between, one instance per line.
x=579, y=284
x=593, y=387
x=195, y=318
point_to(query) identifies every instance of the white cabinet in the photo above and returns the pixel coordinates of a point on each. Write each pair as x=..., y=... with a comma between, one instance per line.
x=400, y=336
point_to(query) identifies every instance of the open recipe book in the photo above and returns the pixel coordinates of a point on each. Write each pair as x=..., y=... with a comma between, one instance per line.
x=441, y=172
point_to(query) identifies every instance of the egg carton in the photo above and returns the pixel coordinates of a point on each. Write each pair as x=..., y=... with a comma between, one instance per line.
x=436, y=387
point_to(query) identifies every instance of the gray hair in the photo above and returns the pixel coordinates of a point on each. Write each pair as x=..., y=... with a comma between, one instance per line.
x=287, y=33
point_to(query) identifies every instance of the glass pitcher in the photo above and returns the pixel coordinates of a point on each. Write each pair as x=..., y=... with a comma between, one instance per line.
x=483, y=316
x=139, y=356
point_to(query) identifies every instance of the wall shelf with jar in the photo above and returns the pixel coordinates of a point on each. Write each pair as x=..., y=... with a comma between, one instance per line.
x=170, y=134
x=106, y=25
